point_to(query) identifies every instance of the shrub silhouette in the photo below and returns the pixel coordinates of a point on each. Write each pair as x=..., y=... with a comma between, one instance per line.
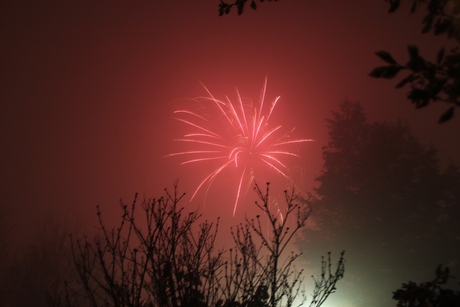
x=429, y=293
x=166, y=257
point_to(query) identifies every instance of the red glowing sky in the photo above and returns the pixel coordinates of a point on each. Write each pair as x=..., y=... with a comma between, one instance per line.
x=88, y=88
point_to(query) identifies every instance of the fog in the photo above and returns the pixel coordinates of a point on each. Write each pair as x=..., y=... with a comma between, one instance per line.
x=88, y=93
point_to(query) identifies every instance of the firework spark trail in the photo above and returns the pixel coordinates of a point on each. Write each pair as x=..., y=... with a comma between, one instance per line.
x=238, y=137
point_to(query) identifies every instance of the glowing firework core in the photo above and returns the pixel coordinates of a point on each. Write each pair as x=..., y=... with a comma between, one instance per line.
x=235, y=134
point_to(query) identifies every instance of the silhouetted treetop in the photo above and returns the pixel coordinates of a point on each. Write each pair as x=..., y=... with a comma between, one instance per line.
x=383, y=158
x=160, y=256
x=379, y=173
x=431, y=293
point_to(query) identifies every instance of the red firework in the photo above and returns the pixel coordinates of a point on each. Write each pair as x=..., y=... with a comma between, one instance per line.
x=236, y=135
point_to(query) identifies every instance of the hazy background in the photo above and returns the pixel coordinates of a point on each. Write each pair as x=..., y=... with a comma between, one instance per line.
x=88, y=89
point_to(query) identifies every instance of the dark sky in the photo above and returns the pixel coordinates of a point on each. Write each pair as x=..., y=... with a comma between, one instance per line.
x=88, y=89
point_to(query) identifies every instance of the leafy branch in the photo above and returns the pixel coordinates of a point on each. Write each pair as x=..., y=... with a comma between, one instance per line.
x=429, y=81
x=226, y=7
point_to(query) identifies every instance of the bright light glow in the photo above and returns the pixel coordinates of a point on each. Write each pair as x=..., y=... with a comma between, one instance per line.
x=237, y=135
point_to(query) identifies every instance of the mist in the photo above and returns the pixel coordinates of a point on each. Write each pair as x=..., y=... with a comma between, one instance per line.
x=88, y=97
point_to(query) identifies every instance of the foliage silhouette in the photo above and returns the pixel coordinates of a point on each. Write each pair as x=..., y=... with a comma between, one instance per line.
x=327, y=283
x=429, y=294
x=165, y=258
x=372, y=170
x=278, y=284
x=155, y=261
x=225, y=7
x=430, y=81
x=383, y=195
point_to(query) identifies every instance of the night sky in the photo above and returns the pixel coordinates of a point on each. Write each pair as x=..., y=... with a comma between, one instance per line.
x=88, y=90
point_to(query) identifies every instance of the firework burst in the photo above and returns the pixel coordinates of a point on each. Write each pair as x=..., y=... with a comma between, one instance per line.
x=236, y=135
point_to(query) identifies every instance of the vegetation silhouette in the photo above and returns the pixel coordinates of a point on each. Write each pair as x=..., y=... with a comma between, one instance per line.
x=226, y=7
x=430, y=81
x=384, y=196
x=431, y=293
x=159, y=255
x=374, y=170
x=162, y=255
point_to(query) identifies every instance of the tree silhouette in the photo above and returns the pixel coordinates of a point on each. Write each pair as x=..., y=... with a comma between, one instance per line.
x=165, y=258
x=429, y=294
x=385, y=197
x=372, y=170
x=378, y=174
x=154, y=260
x=272, y=278
x=430, y=81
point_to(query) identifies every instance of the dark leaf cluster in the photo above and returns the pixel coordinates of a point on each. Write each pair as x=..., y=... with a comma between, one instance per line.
x=430, y=81
x=441, y=17
x=226, y=7
x=429, y=293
